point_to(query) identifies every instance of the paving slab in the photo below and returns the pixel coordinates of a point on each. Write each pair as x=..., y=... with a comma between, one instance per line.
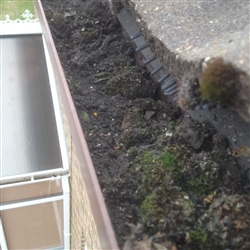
x=183, y=35
x=195, y=30
x=187, y=35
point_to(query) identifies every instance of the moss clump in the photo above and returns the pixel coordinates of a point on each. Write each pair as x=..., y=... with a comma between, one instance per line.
x=169, y=160
x=120, y=83
x=150, y=206
x=201, y=185
x=170, y=164
x=153, y=171
x=160, y=199
x=219, y=83
x=166, y=202
x=157, y=169
x=199, y=239
x=188, y=174
x=172, y=123
x=136, y=136
x=130, y=83
x=135, y=119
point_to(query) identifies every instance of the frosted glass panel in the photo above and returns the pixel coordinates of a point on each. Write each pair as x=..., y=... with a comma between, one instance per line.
x=32, y=190
x=34, y=227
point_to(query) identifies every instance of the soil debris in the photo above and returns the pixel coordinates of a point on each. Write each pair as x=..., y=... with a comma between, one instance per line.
x=172, y=181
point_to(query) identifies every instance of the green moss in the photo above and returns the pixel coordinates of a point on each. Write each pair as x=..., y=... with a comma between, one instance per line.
x=219, y=83
x=153, y=171
x=200, y=185
x=130, y=83
x=166, y=179
x=157, y=169
x=134, y=136
x=164, y=202
x=177, y=163
x=169, y=160
x=150, y=206
x=121, y=80
x=137, y=120
x=199, y=239
x=172, y=124
x=161, y=169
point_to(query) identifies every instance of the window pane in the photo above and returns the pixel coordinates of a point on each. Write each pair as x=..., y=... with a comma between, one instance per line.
x=34, y=227
x=28, y=191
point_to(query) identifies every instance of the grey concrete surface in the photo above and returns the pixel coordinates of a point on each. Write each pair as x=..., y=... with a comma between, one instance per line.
x=183, y=34
x=197, y=29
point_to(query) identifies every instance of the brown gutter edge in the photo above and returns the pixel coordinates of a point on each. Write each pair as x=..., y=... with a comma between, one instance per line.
x=101, y=217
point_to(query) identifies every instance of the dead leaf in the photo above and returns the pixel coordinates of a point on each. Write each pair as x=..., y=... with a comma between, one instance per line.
x=243, y=151
x=209, y=199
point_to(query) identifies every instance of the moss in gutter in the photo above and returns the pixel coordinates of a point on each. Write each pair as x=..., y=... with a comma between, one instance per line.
x=157, y=169
x=160, y=197
x=163, y=204
x=130, y=83
x=219, y=83
x=166, y=180
x=199, y=239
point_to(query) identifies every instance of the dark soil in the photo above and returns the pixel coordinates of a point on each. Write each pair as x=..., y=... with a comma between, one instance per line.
x=168, y=181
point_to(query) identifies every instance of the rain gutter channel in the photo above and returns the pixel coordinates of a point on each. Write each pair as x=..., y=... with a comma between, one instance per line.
x=158, y=73
x=227, y=122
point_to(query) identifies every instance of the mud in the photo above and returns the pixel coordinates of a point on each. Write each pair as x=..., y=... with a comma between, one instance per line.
x=169, y=182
